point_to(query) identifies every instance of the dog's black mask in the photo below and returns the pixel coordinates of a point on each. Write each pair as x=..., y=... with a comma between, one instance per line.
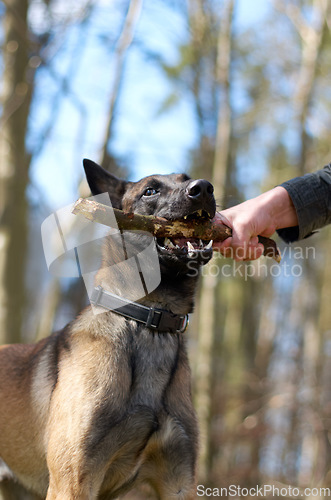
x=173, y=197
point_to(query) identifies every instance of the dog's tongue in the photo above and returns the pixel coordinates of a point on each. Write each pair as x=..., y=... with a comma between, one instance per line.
x=182, y=242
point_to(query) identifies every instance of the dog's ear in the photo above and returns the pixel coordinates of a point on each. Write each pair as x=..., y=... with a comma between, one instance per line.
x=101, y=181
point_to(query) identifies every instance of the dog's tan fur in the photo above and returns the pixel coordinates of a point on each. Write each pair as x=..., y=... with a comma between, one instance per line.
x=105, y=404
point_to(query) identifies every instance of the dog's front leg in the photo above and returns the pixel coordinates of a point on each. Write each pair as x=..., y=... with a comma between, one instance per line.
x=72, y=493
x=170, y=466
x=72, y=484
x=71, y=476
x=87, y=384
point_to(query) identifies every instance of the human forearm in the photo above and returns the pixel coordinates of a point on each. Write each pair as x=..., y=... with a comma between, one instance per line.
x=279, y=209
x=311, y=196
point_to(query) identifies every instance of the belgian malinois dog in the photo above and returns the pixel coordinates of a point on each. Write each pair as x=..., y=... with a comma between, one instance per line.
x=105, y=405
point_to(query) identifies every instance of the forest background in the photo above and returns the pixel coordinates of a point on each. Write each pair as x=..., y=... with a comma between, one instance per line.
x=235, y=91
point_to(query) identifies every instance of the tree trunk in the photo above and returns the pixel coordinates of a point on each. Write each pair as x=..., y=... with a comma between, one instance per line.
x=123, y=44
x=14, y=166
x=312, y=38
x=208, y=295
x=312, y=46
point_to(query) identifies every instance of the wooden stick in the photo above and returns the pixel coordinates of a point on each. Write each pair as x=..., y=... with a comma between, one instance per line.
x=160, y=227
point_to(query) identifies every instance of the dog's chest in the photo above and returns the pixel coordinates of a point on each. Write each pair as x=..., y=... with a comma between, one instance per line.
x=157, y=420
x=143, y=420
x=129, y=383
x=153, y=361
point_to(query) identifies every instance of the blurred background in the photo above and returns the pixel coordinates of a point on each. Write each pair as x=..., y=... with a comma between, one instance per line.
x=235, y=91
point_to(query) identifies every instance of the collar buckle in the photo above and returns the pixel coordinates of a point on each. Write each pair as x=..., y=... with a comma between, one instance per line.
x=185, y=324
x=152, y=320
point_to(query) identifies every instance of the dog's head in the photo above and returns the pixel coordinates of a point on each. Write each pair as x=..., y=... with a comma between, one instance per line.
x=173, y=197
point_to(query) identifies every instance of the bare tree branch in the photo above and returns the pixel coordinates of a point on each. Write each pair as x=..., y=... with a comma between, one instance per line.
x=122, y=46
x=312, y=36
x=293, y=12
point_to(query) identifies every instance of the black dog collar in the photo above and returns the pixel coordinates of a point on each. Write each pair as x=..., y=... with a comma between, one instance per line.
x=156, y=319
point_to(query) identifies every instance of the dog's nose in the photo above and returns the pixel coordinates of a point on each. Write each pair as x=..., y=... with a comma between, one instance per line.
x=199, y=189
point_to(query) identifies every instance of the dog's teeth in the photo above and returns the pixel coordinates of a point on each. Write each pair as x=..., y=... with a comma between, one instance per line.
x=185, y=217
x=210, y=244
x=200, y=213
x=201, y=243
x=190, y=247
x=168, y=243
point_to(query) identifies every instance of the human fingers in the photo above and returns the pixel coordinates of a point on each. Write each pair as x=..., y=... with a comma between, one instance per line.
x=252, y=251
x=224, y=247
x=240, y=246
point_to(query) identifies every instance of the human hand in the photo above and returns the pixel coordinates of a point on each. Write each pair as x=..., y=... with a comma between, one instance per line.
x=259, y=216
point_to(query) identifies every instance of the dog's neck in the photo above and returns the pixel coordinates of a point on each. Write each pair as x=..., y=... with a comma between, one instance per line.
x=175, y=293
x=153, y=284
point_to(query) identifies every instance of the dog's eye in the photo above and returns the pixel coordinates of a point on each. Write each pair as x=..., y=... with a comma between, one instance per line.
x=149, y=192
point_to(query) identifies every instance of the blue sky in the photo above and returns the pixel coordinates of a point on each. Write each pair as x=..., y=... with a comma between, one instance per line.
x=151, y=142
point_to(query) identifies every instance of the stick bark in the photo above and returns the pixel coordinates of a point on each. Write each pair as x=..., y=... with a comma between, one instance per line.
x=160, y=227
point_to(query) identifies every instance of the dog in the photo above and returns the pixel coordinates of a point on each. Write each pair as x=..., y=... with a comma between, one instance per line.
x=104, y=405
